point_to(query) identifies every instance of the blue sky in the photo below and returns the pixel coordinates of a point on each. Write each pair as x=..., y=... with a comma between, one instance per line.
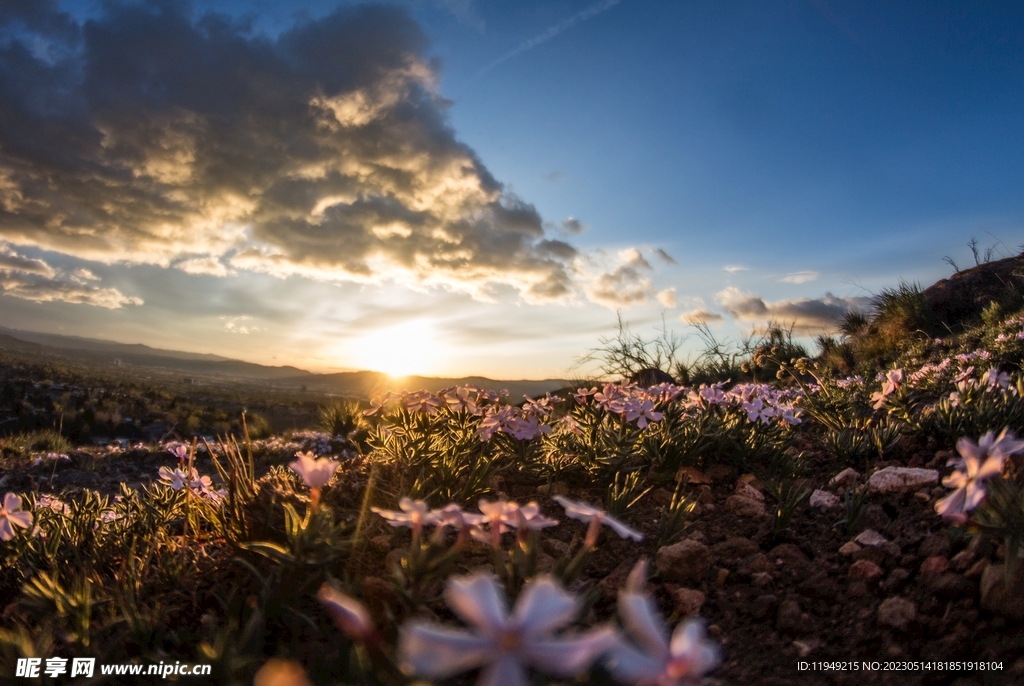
x=477, y=186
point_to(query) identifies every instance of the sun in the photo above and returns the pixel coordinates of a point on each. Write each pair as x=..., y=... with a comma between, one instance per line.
x=403, y=350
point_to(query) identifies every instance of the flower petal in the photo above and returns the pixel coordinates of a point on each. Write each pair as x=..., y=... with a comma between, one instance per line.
x=543, y=607
x=6, y=530
x=688, y=642
x=478, y=601
x=22, y=519
x=630, y=666
x=12, y=502
x=621, y=529
x=432, y=651
x=568, y=656
x=507, y=671
x=643, y=623
x=952, y=504
x=993, y=467
x=975, y=494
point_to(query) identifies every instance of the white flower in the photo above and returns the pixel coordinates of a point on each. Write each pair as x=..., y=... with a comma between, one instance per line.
x=175, y=478
x=681, y=661
x=503, y=645
x=587, y=513
x=11, y=513
x=315, y=472
x=978, y=462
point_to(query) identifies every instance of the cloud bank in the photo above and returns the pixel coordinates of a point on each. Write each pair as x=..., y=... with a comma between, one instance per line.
x=148, y=136
x=33, y=279
x=807, y=315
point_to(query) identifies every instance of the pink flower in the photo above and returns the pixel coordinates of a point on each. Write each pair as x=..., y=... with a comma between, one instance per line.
x=423, y=401
x=504, y=645
x=415, y=514
x=461, y=401
x=641, y=411
x=656, y=660
x=11, y=513
x=314, y=472
x=582, y=394
x=978, y=462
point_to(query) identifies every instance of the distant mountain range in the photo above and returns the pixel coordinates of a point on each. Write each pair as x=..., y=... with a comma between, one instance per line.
x=363, y=384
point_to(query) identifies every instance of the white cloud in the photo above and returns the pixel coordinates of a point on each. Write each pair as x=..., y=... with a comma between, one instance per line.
x=700, y=317
x=667, y=297
x=626, y=285
x=800, y=277
x=33, y=279
x=733, y=268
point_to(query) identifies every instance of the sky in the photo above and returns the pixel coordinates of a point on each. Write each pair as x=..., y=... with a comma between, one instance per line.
x=456, y=187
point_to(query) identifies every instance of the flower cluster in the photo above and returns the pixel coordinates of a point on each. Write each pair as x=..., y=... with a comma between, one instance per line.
x=495, y=518
x=533, y=636
x=11, y=515
x=178, y=478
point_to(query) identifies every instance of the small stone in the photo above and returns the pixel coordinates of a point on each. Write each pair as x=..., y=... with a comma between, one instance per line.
x=789, y=616
x=704, y=495
x=688, y=601
x=719, y=472
x=748, y=479
x=847, y=475
x=870, y=537
x=698, y=536
x=748, y=491
x=962, y=561
x=754, y=564
x=761, y=580
x=923, y=496
x=714, y=631
x=951, y=585
x=1005, y=600
x=901, y=479
x=686, y=561
x=819, y=585
x=865, y=569
x=897, y=612
x=554, y=547
x=744, y=506
x=764, y=606
x=723, y=574
x=849, y=548
x=823, y=499
x=936, y=544
x=557, y=488
x=692, y=475
x=896, y=577
x=733, y=549
x=936, y=564
x=788, y=555
x=858, y=589
x=805, y=648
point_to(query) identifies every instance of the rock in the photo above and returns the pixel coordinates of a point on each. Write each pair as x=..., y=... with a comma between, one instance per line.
x=723, y=574
x=557, y=488
x=651, y=376
x=936, y=564
x=870, y=537
x=849, y=548
x=1005, y=600
x=819, y=585
x=858, y=589
x=936, y=544
x=951, y=585
x=847, y=475
x=613, y=582
x=764, y=606
x=873, y=516
x=692, y=475
x=789, y=617
x=823, y=499
x=788, y=555
x=923, y=496
x=688, y=601
x=744, y=506
x=754, y=564
x=748, y=491
x=865, y=569
x=554, y=547
x=901, y=479
x=761, y=580
x=734, y=549
x=874, y=554
x=719, y=472
x=686, y=561
x=896, y=577
x=749, y=479
x=897, y=612
x=962, y=561
x=805, y=648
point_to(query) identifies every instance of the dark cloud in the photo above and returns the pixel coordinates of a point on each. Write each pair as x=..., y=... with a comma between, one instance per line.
x=808, y=315
x=150, y=136
x=574, y=226
x=668, y=259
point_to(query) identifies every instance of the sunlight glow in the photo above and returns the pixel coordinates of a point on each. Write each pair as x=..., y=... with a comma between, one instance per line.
x=402, y=350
